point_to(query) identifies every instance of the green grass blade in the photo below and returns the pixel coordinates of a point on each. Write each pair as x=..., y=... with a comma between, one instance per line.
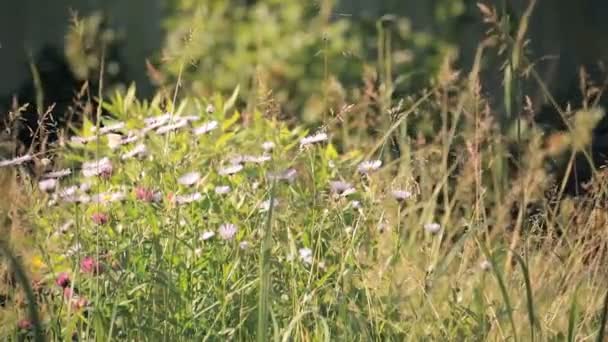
x=529, y=299
x=265, y=280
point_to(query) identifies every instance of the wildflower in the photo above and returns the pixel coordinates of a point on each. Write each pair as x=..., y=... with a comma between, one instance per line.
x=222, y=190
x=432, y=228
x=268, y=146
x=210, y=109
x=114, y=141
x=288, y=175
x=63, y=280
x=143, y=194
x=205, y=128
x=157, y=120
x=256, y=159
x=401, y=195
x=85, y=186
x=306, y=255
x=244, y=245
x=73, y=249
x=25, y=324
x=207, y=235
x=313, y=139
x=110, y=128
x=57, y=174
x=102, y=167
x=189, y=178
x=190, y=118
x=47, y=185
x=108, y=197
x=341, y=188
x=181, y=123
x=16, y=161
x=227, y=231
x=369, y=166
x=90, y=265
x=100, y=218
x=355, y=204
x=66, y=226
x=184, y=199
x=83, y=140
x=130, y=138
x=265, y=206
x=485, y=265
x=138, y=151
x=230, y=170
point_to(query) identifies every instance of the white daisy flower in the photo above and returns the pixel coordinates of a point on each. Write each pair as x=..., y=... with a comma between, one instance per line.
x=265, y=206
x=432, y=228
x=288, y=175
x=210, y=109
x=83, y=140
x=256, y=159
x=96, y=168
x=313, y=139
x=222, y=189
x=206, y=235
x=268, y=146
x=189, y=178
x=158, y=120
x=48, y=185
x=181, y=123
x=138, y=151
x=306, y=255
x=485, y=265
x=57, y=174
x=369, y=166
x=110, y=128
x=401, y=195
x=16, y=161
x=114, y=140
x=227, y=231
x=184, y=199
x=341, y=188
x=230, y=170
x=205, y=128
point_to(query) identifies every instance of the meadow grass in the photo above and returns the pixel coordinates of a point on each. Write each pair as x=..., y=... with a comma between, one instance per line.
x=198, y=227
x=416, y=222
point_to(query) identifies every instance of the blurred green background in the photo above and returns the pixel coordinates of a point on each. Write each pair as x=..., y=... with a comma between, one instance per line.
x=295, y=51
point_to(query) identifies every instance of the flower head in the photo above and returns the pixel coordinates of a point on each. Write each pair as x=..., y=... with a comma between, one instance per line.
x=57, y=174
x=227, y=231
x=138, y=151
x=306, y=255
x=230, y=170
x=222, y=189
x=206, y=235
x=100, y=218
x=432, y=228
x=189, y=198
x=288, y=175
x=47, y=185
x=189, y=178
x=25, y=324
x=210, y=109
x=313, y=139
x=268, y=146
x=341, y=188
x=63, y=280
x=90, y=265
x=401, y=195
x=102, y=167
x=205, y=128
x=369, y=166
x=143, y=194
